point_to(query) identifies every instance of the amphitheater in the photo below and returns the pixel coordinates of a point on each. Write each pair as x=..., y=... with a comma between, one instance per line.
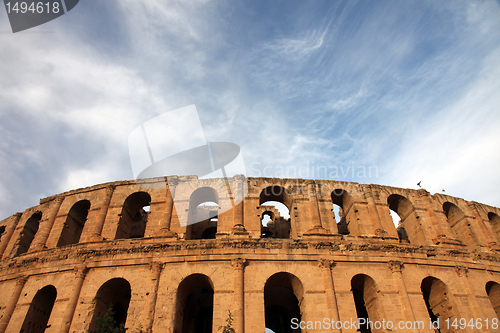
x=123, y=246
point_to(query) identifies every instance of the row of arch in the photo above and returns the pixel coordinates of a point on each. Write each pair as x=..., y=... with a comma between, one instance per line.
x=283, y=294
x=132, y=222
x=110, y=307
x=275, y=206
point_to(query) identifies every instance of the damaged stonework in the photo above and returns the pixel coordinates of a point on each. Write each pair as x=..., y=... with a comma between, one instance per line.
x=330, y=250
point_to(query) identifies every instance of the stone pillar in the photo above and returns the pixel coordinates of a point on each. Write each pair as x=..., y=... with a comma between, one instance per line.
x=399, y=283
x=486, y=229
x=325, y=205
x=313, y=206
x=45, y=231
x=238, y=197
x=172, y=183
x=9, y=230
x=80, y=274
x=441, y=226
x=156, y=268
x=331, y=298
x=96, y=236
x=373, y=211
x=474, y=304
x=9, y=309
x=239, y=294
x=476, y=230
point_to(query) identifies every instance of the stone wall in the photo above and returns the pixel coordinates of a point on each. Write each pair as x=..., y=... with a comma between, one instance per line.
x=124, y=245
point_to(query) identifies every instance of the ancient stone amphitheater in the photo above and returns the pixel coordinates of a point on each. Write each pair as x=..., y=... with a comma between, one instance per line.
x=122, y=246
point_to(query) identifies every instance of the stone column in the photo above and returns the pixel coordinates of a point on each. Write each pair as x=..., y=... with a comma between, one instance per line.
x=172, y=183
x=156, y=268
x=80, y=274
x=45, y=231
x=9, y=309
x=486, y=229
x=399, y=283
x=373, y=211
x=11, y=226
x=238, y=197
x=313, y=206
x=331, y=298
x=325, y=205
x=239, y=294
x=474, y=305
x=96, y=236
x=441, y=227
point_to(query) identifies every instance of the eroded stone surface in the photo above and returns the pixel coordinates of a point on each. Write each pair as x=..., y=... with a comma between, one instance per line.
x=123, y=243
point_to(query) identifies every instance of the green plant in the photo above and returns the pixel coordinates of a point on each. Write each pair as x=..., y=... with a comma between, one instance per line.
x=227, y=328
x=106, y=323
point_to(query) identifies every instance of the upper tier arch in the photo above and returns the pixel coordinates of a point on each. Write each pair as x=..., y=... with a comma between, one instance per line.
x=100, y=212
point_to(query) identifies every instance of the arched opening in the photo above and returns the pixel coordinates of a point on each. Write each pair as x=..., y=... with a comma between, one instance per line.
x=403, y=215
x=2, y=230
x=111, y=304
x=72, y=229
x=493, y=291
x=39, y=311
x=203, y=214
x=268, y=216
x=341, y=201
x=275, y=214
x=194, y=305
x=396, y=220
x=283, y=293
x=402, y=235
x=495, y=223
x=458, y=224
x=438, y=301
x=28, y=233
x=133, y=218
x=366, y=300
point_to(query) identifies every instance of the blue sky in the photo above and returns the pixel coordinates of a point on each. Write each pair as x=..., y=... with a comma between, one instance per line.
x=408, y=90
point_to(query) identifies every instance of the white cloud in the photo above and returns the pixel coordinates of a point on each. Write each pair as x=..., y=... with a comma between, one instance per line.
x=457, y=149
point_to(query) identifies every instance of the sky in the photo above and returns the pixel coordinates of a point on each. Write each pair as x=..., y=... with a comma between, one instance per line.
x=383, y=92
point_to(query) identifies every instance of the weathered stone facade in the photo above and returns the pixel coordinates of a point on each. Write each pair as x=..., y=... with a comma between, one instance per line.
x=75, y=254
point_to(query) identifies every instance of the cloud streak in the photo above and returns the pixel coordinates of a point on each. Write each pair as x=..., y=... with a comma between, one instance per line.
x=408, y=89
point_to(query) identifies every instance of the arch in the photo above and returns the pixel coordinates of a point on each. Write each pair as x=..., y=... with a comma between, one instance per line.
x=438, y=301
x=402, y=235
x=267, y=222
x=495, y=223
x=272, y=224
x=493, y=291
x=39, y=311
x=272, y=199
x=28, y=234
x=459, y=224
x=2, y=230
x=409, y=230
x=74, y=224
x=194, y=305
x=203, y=214
x=366, y=299
x=283, y=294
x=341, y=201
x=133, y=218
x=112, y=300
